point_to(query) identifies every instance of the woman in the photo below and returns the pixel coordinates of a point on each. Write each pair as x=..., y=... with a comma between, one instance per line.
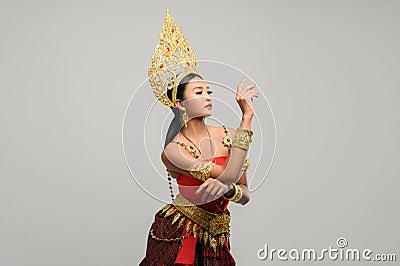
x=208, y=163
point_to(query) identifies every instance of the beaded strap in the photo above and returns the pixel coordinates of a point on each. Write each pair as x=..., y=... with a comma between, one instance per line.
x=227, y=140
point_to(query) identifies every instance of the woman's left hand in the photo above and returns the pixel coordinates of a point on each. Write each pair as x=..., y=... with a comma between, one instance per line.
x=212, y=189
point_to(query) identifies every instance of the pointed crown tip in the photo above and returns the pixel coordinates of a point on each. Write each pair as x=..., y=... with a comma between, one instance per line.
x=167, y=15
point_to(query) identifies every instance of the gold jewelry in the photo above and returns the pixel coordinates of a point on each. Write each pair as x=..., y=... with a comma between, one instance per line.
x=246, y=164
x=227, y=140
x=238, y=193
x=172, y=60
x=166, y=239
x=185, y=118
x=242, y=138
x=190, y=142
x=212, y=229
x=190, y=148
x=214, y=223
x=201, y=171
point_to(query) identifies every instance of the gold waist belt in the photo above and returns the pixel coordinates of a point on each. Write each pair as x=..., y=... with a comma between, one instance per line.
x=214, y=223
x=211, y=228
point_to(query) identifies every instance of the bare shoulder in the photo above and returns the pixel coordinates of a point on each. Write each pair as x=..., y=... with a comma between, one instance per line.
x=169, y=151
x=231, y=131
x=219, y=131
x=213, y=128
x=174, y=160
x=165, y=158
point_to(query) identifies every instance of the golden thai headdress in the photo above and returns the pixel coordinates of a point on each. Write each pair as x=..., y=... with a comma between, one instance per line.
x=172, y=60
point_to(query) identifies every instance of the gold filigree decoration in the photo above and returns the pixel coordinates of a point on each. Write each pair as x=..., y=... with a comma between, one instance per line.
x=201, y=170
x=172, y=60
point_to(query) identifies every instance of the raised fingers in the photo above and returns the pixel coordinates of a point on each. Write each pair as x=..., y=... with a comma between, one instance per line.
x=241, y=83
x=243, y=91
x=250, y=87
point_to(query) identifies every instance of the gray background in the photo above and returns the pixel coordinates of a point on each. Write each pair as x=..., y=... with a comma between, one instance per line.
x=329, y=69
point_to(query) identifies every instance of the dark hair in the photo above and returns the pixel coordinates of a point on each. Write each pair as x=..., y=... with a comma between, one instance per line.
x=176, y=123
x=182, y=86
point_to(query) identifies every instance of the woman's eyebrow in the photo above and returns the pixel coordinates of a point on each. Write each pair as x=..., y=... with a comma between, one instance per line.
x=199, y=87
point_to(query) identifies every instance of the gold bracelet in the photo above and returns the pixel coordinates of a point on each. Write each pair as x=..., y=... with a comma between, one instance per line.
x=238, y=193
x=243, y=138
x=249, y=132
x=201, y=171
x=246, y=164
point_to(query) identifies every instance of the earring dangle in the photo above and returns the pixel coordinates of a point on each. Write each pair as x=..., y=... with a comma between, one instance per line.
x=185, y=118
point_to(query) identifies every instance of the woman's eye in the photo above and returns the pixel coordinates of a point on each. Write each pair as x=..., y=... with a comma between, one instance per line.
x=200, y=92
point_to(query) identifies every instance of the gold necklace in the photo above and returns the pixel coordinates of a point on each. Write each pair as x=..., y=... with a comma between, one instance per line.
x=191, y=149
x=227, y=141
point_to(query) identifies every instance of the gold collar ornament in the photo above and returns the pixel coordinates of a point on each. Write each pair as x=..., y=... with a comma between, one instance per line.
x=172, y=60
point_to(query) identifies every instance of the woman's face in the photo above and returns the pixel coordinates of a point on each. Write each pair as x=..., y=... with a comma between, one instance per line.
x=198, y=100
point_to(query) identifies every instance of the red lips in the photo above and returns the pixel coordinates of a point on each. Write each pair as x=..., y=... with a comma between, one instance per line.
x=209, y=105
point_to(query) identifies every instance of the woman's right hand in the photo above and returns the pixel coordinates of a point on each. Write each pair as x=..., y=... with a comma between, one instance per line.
x=212, y=189
x=244, y=97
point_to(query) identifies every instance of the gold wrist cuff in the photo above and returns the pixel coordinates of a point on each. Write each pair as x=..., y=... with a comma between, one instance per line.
x=201, y=171
x=238, y=193
x=243, y=138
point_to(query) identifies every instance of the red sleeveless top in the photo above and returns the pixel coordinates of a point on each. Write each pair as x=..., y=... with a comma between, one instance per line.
x=188, y=185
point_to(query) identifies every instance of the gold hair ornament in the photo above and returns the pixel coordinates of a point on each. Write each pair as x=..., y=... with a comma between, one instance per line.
x=172, y=60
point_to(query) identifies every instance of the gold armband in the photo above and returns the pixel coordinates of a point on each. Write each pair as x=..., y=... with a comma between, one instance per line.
x=243, y=138
x=201, y=171
x=246, y=164
x=238, y=193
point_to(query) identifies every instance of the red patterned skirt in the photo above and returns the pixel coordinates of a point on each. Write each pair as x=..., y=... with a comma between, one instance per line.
x=176, y=240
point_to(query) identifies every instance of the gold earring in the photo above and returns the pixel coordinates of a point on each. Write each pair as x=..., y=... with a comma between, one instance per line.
x=185, y=118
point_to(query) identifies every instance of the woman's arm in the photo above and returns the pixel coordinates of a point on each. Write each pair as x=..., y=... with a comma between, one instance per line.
x=212, y=188
x=231, y=170
x=175, y=161
x=243, y=185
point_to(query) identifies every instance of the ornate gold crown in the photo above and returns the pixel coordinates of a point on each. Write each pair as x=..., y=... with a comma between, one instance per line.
x=172, y=60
